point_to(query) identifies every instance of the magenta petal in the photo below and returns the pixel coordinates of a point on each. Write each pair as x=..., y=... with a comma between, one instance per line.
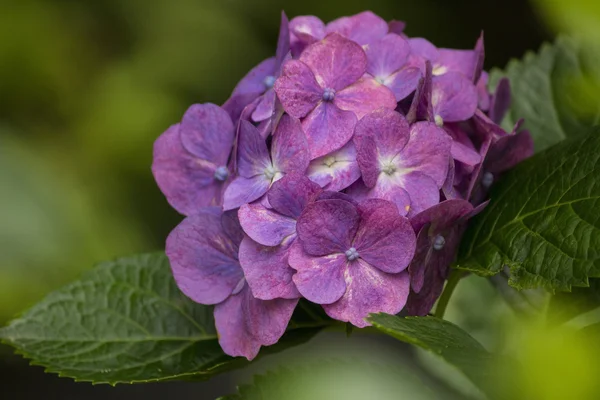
x=335, y=171
x=253, y=155
x=327, y=226
x=291, y=194
x=428, y=151
x=388, y=128
x=187, y=182
x=297, y=89
x=335, y=61
x=203, y=258
x=289, y=148
x=500, y=102
x=254, y=81
x=384, y=239
x=369, y=290
x=283, y=41
x=423, y=191
x=417, y=267
x=244, y=190
x=465, y=154
x=364, y=96
x=442, y=216
x=328, y=128
x=403, y=82
x=387, y=189
x=206, y=131
x=454, y=97
x=482, y=92
x=264, y=225
x=245, y=323
x=396, y=27
x=423, y=49
x=368, y=159
x=266, y=106
x=508, y=151
x=305, y=30
x=363, y=28
x=267, y=270
x=387, y=55
x=319, y=279
x=463, y=61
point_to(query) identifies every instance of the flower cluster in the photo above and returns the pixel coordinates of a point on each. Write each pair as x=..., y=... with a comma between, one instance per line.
x=342, y=170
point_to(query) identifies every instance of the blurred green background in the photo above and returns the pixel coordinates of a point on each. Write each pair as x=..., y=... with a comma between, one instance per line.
x=87, y=86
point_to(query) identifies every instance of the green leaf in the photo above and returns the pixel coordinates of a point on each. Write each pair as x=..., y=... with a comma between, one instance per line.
x=543, y=220
x=544, y=93
x=336, y=379
x=125, y=322
x=444, y=339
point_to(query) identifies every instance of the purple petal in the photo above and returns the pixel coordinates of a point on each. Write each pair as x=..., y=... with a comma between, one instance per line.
x=421, y=108
x=245, y=323
x=423, y=49
x=368, y=158
x=206, y=131
x=363, y=28
x=254, y=82
x=297, y=89
x=283, y=41
x=335, y=171
x=236, y=104
x=462, y=61
x=305, y=30
x=245, y=190
x=319, y=279
x=389, y=130
x=509, y=151
x=427, y=151
x=416, y=269
x=328, y=129
x=203, y=258
x=266, y=106
x=329, y=195
x=267, y=270
x=386, y=56
x=291, y=194
x=423, y=191
x=335, y=61
x=253, y=155
x=500, y=102
x=396, y=27
x=454, y=97
x=442, y=216
x=385, y=189
x=480, y=57
x=264, y=225
x=327, y=226
x=482, y=92
x=187, y=182
x=365, y=96
x=369, y=290
x=384, y=239
x=289, y=148
x=403, y=82
x=465, y=154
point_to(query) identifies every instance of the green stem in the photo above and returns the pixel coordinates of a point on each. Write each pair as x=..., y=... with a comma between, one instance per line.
x=455, y=276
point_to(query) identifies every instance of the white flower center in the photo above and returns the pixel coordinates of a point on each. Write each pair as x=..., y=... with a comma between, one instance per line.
x=270, y=172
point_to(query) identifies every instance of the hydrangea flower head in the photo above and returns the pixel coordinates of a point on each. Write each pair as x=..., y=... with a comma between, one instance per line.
x=342, y=171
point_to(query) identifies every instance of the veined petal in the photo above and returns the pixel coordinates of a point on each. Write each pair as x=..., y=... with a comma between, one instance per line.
x=462, y=61
x=442, y=216
x=264, y=225
x=335, y=61
x=283, y=41
x=335, y=171
x=384, y=239
x=364, y=96
x=387, y=55
x=327, y=226
x=291, y=194
x=206, y=131
x=245, y=323
x=389, y=130
x=289, y=148
x=328, y=129
x=454, y=97
x=319, y=279
x=369, y=290
x=187, y=182
x=267, y=270
x=386, y=188
x=245, y=190
x=253, y=155
x=203, y=258
x=254, y=81
x=423, y=191
x=403, y=82
x=265, y=107
x=297, y=89
x=363, y=28
x=305, y=30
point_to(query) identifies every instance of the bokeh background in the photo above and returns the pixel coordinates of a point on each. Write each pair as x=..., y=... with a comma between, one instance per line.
x=87, y=86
